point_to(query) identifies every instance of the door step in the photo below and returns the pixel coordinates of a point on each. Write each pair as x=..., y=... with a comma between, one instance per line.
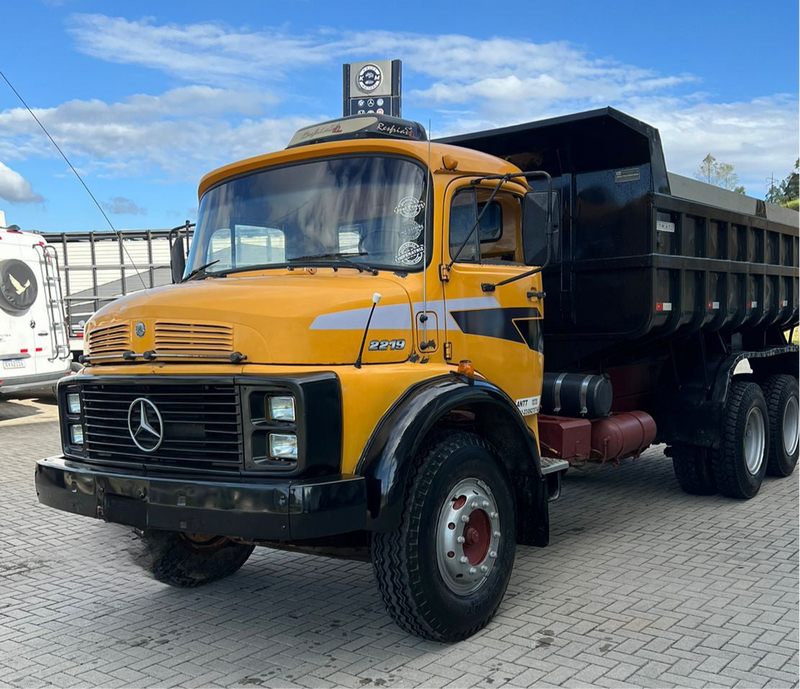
x=551, y=465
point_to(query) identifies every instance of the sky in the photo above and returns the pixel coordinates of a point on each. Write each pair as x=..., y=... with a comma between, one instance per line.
x=146, y=97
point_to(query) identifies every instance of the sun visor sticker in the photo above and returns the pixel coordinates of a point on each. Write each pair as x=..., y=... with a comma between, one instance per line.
x=409, y=207
x=409, y=254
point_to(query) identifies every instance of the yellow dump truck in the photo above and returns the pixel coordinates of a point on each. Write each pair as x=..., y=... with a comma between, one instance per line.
x=352, y=362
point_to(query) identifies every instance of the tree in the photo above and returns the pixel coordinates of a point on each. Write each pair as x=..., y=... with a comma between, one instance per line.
x=790, y=185
x=719, y=174
x=787, y=190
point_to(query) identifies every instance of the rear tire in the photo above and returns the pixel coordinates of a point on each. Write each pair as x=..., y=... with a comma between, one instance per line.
x=693, y=469
x=443, y=573
x=189, y=560
x=781, y=395
x=741, y=460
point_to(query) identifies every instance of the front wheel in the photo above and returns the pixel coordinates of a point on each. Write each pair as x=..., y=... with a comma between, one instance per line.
x=443, y=573
x=187, y=559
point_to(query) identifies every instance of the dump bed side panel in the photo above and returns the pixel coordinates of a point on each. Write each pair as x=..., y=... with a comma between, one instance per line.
x=646, y=256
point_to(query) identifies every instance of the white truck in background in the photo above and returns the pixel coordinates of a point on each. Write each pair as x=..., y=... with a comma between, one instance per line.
x=34, y=342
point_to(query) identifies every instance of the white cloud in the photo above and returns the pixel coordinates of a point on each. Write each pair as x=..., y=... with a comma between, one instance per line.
x=179, y=134
x=236, y=74
x=15, y=188
x=120, y=205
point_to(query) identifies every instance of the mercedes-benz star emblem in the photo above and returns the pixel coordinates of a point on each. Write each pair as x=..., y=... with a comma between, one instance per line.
x=139, y=329
x=145, y=424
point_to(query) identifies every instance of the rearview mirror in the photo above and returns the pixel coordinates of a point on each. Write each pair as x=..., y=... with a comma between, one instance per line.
x=177, y=258
x=540, y=235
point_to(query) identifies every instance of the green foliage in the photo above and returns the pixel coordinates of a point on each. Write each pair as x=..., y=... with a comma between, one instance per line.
x=719, y=174
x=787, y=191
x=794, y=204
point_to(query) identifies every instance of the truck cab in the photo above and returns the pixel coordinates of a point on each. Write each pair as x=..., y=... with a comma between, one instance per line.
x=350, y=362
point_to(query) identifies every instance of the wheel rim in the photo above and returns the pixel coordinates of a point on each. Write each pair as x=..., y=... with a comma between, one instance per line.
x=467, y=536
x=790, y=426
x=754, y=436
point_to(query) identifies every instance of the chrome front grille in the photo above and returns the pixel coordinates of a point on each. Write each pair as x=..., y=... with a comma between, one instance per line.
x=202, y=425
x=110, y=340
x=197, y=338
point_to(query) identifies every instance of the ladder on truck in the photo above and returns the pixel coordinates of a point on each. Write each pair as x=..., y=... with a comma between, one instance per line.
x=56, y=315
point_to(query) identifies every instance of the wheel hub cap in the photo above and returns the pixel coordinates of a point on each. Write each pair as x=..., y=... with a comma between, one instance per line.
x=467, y=536
x=790, y=426
x=754, y=440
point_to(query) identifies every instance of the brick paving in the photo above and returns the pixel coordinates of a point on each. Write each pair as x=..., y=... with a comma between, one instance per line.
x=642, y=586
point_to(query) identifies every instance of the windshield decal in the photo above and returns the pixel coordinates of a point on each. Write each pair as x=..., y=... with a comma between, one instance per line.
x=410, y=230
x=409, y=254
x=409, y=207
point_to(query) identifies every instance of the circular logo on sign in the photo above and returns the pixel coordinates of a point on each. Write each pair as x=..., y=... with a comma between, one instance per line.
x=139, y=329
x=369, y=78
x=18, y=287
x=409, y=207
x=409, y=253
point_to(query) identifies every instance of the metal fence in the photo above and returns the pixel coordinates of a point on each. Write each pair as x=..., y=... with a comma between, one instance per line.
x=98, y=267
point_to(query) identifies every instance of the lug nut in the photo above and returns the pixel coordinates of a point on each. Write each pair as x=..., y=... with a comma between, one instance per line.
x=497, y=534
x=484, y=569
x=493, y=515
x=486, y=503
x=472, y=570
x=464, y=559
x=464, y=518
x=493, y=554
x=461, y=539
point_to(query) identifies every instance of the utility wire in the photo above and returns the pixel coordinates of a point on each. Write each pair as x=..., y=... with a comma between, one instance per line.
x=80, y=179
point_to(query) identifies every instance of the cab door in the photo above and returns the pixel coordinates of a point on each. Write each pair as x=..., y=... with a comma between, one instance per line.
x=499, y=329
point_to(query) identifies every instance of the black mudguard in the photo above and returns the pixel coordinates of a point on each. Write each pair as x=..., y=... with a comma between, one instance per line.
x=388, y=456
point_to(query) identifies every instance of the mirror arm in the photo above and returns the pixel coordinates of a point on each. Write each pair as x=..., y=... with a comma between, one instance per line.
x=491, y=286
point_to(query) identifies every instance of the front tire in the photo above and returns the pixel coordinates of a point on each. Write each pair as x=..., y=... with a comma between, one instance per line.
x=782, y=397
x=443, y=573
x=741, y=460
x=189, y=560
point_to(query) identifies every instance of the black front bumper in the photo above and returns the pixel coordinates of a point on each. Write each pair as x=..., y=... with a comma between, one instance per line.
x=258, y=509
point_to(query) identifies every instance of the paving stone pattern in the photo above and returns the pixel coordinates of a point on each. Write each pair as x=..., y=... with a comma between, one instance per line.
x=642, y=585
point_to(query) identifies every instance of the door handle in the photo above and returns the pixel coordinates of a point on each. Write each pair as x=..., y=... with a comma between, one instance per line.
x=537, y=295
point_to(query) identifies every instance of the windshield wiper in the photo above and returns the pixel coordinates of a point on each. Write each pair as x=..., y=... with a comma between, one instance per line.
x=199, y=271
x=338, y=257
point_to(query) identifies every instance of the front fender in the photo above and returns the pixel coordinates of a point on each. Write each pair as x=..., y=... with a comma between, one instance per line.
x=390, y=451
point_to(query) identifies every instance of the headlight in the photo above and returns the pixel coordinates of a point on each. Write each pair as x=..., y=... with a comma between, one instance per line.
x=281, y=409
x=74, y=403
x=76, y=434
x=283, y=446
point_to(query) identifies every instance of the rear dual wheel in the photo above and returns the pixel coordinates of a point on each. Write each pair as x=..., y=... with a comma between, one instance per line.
x=781, y=395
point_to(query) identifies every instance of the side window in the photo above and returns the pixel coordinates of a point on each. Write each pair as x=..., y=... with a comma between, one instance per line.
x=462, y=219
x=498, y=239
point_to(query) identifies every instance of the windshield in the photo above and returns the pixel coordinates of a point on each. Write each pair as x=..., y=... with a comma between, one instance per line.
x=369, y=209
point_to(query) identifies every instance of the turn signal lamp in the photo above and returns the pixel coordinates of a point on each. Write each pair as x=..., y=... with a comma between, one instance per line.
x=466, y=368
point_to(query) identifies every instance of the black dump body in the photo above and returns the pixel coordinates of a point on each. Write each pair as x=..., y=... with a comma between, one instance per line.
x=647, y=257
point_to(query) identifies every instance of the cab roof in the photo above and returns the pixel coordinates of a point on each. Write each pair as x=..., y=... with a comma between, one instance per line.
x=469, y=161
